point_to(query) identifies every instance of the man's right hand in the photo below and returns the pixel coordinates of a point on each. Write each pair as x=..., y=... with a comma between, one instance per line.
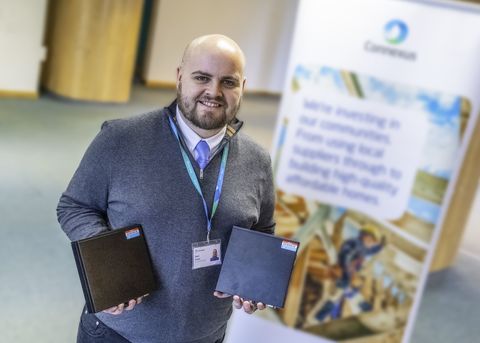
x=116, y=310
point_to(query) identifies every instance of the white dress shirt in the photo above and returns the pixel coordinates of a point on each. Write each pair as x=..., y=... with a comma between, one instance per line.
x=192, y=138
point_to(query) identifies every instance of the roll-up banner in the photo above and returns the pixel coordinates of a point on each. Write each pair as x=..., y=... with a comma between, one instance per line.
x=379, y=106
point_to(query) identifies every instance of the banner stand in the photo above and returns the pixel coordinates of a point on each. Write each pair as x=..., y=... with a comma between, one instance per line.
x=460, y=206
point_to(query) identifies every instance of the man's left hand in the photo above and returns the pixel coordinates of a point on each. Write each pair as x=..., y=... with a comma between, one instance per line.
x=238, y=302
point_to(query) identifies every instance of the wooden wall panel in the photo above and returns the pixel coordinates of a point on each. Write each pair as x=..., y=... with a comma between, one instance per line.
x=92, y=48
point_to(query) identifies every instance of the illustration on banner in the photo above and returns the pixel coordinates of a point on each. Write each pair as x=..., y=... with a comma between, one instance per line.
x=357, y=272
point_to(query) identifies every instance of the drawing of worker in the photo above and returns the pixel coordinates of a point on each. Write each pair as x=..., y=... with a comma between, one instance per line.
x=354, y=251
x=349, y=282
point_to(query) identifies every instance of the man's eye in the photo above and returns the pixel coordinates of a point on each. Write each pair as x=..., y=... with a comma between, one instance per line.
x=201, y=78
x=230, y=83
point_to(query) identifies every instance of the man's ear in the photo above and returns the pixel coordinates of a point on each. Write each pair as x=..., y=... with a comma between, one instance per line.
x=179, y=76
x=243, y=83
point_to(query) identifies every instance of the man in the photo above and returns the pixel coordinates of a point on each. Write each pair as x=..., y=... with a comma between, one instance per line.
x=164, y=170
x=351, y=257
x=214, y=255
x=354, y=251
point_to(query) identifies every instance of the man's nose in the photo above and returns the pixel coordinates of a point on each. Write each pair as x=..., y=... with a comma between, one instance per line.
x=214, y=89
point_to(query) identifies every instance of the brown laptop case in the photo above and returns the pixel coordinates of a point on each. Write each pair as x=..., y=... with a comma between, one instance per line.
x=114, y=267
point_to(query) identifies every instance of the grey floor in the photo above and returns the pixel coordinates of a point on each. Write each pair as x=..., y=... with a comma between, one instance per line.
x=41, y=143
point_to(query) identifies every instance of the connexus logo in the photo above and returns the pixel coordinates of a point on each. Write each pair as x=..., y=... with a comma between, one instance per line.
x=395, y=32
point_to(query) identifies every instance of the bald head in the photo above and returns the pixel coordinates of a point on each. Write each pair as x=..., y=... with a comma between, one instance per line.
x=210, y=83
x=214, y=44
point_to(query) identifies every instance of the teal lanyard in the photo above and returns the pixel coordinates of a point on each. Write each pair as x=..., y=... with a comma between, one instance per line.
x=194, y=179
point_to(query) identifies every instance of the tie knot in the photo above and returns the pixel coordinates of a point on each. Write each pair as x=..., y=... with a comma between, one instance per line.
x=203, y=153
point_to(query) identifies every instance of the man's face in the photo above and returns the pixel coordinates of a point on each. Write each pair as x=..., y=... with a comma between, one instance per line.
x=209, y=88
x=369, y=241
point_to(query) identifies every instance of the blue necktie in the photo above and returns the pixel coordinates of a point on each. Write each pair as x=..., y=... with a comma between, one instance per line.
x=203, y=153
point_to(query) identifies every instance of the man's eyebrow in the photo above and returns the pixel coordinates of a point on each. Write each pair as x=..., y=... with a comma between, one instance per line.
x=231, y=77
x=201, y=73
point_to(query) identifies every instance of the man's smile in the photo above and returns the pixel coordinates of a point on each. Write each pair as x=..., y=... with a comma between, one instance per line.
x=210, y=104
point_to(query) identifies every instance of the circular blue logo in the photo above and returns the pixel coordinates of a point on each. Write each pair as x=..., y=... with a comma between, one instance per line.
x=396, y=31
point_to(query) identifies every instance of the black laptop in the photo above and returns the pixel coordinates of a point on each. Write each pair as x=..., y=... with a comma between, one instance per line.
x=114, y=267
x=257, y=266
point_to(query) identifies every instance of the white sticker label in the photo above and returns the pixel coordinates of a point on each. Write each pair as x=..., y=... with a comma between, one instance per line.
x=287, y=245
x=132, y=233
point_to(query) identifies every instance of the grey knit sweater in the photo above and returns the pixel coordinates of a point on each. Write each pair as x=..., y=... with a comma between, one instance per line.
x=133, y=173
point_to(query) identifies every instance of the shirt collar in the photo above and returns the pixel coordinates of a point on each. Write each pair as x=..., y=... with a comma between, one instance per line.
x=192, y=138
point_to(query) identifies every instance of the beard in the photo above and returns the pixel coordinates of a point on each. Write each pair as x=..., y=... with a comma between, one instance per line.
x=209, y=120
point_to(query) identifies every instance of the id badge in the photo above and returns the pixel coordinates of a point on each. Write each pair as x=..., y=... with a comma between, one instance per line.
x=206, y=254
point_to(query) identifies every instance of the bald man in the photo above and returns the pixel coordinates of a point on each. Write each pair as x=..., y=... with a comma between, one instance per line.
x=187, y=175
